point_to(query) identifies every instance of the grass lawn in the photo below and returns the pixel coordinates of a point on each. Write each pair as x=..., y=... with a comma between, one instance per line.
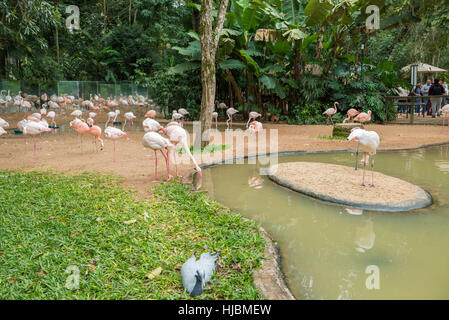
x=54, y=226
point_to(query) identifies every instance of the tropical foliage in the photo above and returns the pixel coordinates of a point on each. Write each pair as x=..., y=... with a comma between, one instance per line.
x=283, y=57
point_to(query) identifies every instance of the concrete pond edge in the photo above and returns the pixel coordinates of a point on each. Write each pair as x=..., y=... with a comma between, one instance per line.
x=271, y=267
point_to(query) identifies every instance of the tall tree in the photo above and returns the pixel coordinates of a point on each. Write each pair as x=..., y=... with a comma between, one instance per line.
x=209, y=44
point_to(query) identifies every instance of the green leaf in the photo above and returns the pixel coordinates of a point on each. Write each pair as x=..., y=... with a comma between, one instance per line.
x=183, y=67
x=232, y=64
x=317, y=12
x=268, y=82
x=250, y=61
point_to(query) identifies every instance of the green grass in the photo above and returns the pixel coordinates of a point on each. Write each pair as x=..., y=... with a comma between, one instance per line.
x=51, y=221
x=211, y=148
x=331, y=138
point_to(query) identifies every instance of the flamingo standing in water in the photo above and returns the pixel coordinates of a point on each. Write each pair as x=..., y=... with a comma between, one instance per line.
x=445, y=111
x=113, y=134
x=330, y=112
x=178, y=135
x=369, y=142
x=155, y=141
x=253, y=116
x=351, y=113
x=230, y=112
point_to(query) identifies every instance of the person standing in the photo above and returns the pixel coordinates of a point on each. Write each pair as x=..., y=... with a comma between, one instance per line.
x=425, y=92
x=436, y=90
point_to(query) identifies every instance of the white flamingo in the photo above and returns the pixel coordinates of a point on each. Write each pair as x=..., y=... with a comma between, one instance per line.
x=230, y=112
x=253, y=116
x=369, y=142
x=178, y=135
x=112, y=133
x=151, y=125
x=129, y=116
x=155, y=141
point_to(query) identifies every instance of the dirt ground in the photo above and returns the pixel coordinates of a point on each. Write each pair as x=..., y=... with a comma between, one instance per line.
x=61, y=152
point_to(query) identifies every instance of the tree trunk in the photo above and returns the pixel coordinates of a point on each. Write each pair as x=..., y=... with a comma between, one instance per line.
x=209, y=44
x=237, y=91
x=57, y=45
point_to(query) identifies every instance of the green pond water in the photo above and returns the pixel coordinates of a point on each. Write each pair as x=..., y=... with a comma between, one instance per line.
x=329, y=251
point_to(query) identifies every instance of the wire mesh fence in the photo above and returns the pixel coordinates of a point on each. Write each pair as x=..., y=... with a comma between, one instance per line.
x=78, y=89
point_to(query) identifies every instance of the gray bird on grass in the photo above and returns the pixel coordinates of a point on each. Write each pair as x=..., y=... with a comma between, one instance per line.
x=196, y=273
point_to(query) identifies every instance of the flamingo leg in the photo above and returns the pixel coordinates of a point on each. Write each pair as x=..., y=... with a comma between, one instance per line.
x=114, y=151
x=247, y=124
x=155, y=166
x=372, y=172
x=442, y=128
x=216, y=124
x=34, y=140
x=364, y=167
x=174, y=158
x=357, y=155
x=167, y=163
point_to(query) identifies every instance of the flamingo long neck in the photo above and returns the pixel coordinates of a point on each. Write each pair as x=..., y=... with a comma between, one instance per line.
x=335, y=106
x=186, y=147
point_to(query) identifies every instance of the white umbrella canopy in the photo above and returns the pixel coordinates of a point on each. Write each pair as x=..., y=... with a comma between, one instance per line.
x=423, y=68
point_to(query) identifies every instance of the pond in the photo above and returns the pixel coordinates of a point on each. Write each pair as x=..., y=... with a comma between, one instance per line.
x=329, y=251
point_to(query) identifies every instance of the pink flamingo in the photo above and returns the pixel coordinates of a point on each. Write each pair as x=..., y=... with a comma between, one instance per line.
x=95, y=131
x=155, y=141
x=330, y=112
x=369, y=141
x=113, y=134
x=351, y=113
x=33, y=128
x=80, y=128
x=230, y=112
x=150, y=114
x=176, y=135
x=255, y=127
x=445, y=112
x=253, y=116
